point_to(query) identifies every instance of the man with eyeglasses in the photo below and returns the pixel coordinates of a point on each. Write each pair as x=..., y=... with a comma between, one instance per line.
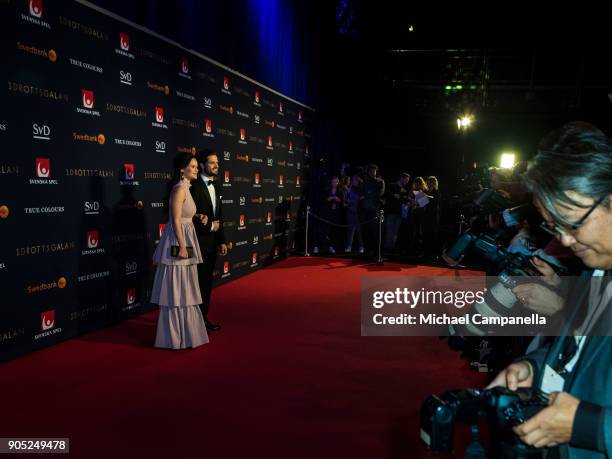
x=571, y=179
x=570, y=230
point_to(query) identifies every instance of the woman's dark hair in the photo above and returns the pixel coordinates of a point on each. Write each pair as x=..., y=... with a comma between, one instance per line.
x=181, y=161
x=577, y=157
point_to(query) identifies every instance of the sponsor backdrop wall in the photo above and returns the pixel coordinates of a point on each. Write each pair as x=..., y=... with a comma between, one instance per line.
x=92, y=111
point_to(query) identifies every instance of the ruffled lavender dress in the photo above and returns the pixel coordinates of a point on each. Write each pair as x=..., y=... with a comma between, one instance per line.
x=175, y=287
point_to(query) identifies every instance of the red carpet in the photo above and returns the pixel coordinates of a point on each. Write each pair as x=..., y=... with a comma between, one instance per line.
x=289, y=376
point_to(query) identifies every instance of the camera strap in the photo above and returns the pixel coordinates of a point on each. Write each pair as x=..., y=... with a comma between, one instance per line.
x=568, y=350
x=554, y=374
x=571, y=345
x=565, y=347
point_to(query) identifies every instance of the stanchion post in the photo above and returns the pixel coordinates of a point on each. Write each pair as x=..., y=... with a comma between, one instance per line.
x=306, y=254
x=462, y=222
x=381, y=219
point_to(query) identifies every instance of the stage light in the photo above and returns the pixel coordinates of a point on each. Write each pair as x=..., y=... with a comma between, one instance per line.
x=507, y=160
x=448, y=87
x=464, y=122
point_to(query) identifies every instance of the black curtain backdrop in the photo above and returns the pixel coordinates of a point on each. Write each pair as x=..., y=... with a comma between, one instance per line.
x=92, y=111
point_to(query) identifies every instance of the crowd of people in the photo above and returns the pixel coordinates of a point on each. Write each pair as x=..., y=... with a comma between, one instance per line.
x=347, y=218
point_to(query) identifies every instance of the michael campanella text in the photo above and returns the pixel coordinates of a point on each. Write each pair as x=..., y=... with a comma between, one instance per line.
x=444, y=319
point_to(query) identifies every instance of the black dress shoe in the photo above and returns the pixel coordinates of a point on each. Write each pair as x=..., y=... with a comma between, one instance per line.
x=210, y=327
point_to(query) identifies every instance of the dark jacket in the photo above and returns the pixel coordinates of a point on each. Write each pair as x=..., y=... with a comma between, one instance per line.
x=209, y=241
x=396, y=196
x=590, y=382
x=373, y=191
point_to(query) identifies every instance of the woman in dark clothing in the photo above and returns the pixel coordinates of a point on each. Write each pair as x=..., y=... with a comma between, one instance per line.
x=331, y=209
x=352, y=198
x=418, y=204
x=432, y=217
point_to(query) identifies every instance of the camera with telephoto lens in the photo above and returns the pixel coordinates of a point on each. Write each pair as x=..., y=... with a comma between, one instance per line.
x=490, y=200
x=474, y=203
x=503, y=407
x=510, y=269
x=475, y=180
x=499, y=300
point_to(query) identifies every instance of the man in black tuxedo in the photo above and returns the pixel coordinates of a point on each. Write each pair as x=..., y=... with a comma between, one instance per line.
x=206, y=194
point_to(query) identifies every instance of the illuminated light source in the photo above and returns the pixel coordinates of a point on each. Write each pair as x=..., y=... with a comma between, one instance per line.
x=451, y=87
x=464, y=122
x=507, y=160
x=410, y=28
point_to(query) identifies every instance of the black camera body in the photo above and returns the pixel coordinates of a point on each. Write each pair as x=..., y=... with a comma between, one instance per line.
x=514, y=264
x=504, y=408
x=510, y=269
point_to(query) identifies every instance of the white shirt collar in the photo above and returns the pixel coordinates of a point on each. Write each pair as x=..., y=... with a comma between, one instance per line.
x=205, y=179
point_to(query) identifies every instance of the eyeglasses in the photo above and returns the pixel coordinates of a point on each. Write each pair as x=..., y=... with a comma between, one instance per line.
x=559, y=230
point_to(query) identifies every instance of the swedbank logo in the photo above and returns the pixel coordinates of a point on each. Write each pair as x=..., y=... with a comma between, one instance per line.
x=60, y=283
x=191, y=150
x=50, y=54
x=99, y=139
x=165, y=89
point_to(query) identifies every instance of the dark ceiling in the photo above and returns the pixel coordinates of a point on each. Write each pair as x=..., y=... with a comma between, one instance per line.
x=395, y=80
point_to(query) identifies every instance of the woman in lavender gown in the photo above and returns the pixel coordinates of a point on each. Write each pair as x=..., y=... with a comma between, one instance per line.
x=175, y=288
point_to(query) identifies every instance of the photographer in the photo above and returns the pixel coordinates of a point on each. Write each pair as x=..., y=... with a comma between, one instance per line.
x=571, y=179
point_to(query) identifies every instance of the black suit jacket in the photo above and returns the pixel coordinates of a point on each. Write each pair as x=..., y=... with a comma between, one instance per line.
x=209, y=241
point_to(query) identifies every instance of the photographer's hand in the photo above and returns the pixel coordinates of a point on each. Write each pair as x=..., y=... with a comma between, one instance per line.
x=515, y=375
x=539, y=298
x=548, y=274
x=552, y=425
